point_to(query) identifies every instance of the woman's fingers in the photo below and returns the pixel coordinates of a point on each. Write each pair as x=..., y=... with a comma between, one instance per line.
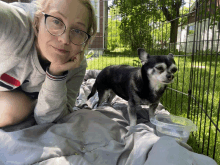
x=73, y=63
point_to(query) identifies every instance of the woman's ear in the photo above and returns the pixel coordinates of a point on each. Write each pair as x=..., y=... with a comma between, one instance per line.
x=36, y=26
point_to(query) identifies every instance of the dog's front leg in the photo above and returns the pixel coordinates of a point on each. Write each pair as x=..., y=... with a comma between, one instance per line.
x=152, y=109
x=132, y=113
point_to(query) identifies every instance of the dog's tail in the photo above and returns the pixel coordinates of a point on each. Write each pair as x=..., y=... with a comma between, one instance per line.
x=93, y=90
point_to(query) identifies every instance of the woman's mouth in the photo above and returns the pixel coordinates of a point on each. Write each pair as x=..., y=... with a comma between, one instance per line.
x=62, y=51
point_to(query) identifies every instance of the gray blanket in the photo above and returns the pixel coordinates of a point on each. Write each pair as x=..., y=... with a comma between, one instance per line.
x=98, y=136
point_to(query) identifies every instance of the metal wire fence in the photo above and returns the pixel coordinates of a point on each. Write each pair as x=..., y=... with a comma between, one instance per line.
x=188, y=29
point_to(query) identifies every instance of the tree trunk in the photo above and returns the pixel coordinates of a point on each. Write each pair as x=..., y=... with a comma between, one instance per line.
x=172, y=17
x=174, y=31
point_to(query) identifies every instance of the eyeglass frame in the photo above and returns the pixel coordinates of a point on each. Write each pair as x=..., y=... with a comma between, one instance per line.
x=47, y=15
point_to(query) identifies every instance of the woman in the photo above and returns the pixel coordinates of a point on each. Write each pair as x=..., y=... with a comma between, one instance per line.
x=42, y=66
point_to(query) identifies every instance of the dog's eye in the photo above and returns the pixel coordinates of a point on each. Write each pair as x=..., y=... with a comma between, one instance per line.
x=173, y=70
x=160, y=68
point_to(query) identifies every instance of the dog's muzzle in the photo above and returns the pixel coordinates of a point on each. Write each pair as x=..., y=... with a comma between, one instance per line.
x=170, y=76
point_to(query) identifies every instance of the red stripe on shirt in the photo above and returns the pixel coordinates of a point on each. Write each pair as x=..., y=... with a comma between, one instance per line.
x=10, y=80
x=51, y=76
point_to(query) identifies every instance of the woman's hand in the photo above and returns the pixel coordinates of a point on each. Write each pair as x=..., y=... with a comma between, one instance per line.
x=74, y=62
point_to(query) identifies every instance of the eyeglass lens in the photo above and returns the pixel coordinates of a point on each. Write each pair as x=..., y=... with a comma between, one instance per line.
x=57, y=27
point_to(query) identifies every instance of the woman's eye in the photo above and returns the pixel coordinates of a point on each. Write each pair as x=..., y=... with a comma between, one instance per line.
x=77, y=31
x=55, y=21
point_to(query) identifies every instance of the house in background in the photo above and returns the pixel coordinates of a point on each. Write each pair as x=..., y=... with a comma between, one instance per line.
x=101, y=8
x=100, y=42
x=198, y=29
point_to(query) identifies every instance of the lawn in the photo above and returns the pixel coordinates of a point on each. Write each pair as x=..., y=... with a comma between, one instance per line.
x=194, y=93
x=113, y=59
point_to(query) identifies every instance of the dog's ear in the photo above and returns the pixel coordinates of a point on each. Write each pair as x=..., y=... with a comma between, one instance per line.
x=143, y=56
x=170, y=55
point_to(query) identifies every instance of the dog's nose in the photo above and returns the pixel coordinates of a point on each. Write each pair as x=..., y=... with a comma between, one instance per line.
x=170, y=77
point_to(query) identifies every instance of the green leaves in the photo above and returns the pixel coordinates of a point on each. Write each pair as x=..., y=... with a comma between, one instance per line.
x=139, y=19
x=113, y=29
x=143, y=22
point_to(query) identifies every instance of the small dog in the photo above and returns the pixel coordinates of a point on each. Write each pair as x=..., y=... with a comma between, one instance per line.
x=139, y=86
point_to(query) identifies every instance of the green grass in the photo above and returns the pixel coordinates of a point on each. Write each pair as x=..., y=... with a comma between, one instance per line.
x=202, y=83
x=125, y=58
x=205, y=90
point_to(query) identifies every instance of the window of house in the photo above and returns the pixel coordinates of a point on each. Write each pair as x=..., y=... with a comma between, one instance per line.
x=191, y=29
x=96, y=5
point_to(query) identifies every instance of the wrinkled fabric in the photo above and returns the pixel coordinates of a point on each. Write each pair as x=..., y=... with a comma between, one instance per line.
x=99, y=136
x=90, y=137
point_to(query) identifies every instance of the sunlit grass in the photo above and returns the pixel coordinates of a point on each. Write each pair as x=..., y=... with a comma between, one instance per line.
x=199, y=86
x=103, y=61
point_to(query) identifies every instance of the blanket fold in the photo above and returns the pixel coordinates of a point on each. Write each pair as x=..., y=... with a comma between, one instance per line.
x=98, y=136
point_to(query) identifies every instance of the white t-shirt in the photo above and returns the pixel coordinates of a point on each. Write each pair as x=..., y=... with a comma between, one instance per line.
x=20, y=66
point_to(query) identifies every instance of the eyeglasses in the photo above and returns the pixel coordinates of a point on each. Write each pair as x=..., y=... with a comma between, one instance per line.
x=56, y=27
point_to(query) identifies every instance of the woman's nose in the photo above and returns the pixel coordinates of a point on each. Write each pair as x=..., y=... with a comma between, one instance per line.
x=64, y=38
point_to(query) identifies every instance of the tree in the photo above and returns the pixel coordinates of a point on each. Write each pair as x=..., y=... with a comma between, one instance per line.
x=162, y=29
x=141, y=20
x=171, y=10
x=113, y=29
x=148, y=12
x=135, y=30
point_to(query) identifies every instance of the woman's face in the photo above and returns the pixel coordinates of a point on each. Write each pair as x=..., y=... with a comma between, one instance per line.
x=59, y=49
